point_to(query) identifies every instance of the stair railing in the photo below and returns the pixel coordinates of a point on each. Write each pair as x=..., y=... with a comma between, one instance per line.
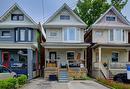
x=104, y=71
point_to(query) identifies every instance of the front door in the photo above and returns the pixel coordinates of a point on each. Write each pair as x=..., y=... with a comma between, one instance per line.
x=5, y=59
x=52, y=56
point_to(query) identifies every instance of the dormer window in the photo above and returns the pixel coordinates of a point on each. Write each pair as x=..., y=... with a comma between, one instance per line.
x=17, y=17
x=64, y=17
x=110, y=18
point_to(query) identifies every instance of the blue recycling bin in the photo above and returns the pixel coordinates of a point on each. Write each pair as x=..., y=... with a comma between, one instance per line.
x=128, y=71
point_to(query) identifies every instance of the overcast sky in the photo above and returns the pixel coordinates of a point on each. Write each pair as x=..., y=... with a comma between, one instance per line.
x=34, y=8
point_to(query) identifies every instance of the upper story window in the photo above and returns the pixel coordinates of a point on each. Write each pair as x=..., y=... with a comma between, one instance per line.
x=53, y=33
x=70, y=34
x=64, y=17
x=23, y=35
x=117, y=35
x=110, y=18
x=5, y=34
x=98, y=33
x=17, y=17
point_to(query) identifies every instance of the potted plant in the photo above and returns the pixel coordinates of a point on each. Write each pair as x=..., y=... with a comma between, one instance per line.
x=105, y=64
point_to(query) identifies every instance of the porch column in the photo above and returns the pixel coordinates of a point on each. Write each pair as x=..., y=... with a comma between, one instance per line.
x=100, y=57
x=128, y=55
x=0, y=56
x=30, y=63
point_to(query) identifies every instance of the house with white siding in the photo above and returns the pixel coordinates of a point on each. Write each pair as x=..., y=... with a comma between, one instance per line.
x=65, y=50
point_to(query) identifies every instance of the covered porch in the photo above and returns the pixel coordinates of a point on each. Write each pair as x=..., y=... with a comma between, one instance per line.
x=20, y=58
x=70, y=58
x=109, y=60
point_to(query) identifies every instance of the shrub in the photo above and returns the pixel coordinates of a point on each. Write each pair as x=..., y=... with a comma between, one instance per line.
x=22, y=79
x=12, y=83
x=113, y=84
x=8, y=83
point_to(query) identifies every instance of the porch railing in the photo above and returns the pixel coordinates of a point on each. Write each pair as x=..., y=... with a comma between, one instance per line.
x=71, y=63
x=115, y=65
x=118, y=65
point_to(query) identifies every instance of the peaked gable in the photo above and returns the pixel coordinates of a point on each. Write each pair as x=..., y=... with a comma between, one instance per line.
x=64, y=10
x=112, y=11
x=16, y=9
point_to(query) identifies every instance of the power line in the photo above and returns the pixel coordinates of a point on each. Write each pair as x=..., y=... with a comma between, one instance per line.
x=43, y=8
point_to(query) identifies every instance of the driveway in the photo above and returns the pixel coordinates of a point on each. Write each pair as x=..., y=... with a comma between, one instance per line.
x=40, y=83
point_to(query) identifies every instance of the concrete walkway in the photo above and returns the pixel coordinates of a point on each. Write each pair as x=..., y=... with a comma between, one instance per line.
x=40, y=83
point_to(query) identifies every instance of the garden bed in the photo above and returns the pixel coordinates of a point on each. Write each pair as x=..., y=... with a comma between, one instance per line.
x=113, y=85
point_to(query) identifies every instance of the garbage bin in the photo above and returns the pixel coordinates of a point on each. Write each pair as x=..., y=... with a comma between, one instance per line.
x=128, y=71
x=52, y=77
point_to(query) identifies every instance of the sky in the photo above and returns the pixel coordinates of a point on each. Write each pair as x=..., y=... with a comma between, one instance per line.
x=41, y=10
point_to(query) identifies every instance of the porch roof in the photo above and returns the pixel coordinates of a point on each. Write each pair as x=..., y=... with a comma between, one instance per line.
x=64, y=45
x=18, y=46
x=112, y=45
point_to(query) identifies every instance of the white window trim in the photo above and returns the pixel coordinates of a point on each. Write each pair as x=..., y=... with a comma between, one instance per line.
x=68, y=52
x=70, y=41
x=114, y=36
x=112, y=16
x=52, y=36
x=98, y=34
x=5, y=36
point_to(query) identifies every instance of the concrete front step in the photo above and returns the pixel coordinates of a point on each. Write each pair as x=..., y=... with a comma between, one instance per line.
x=63, y=76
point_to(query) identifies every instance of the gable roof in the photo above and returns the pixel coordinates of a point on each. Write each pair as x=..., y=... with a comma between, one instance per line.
x=60, y=9
x=13, y=8
x=116, y=12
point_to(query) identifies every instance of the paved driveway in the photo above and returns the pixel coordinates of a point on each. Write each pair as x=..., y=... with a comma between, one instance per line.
x=40, y=83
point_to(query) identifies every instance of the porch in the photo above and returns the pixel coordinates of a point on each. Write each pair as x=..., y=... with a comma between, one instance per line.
x=20, y=59
x=71, y=60
x=109, y=61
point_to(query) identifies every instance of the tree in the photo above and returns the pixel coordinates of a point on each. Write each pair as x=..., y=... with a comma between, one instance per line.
x=119, y=4
x=90, y=10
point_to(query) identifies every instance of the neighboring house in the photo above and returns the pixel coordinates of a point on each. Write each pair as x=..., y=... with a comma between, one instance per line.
x=65, y=54
x=19, y=38
x=109, y=51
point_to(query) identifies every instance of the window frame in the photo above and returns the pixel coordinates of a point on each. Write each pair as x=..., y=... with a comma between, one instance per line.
x=97, y=33
x=68, y=35
x=17, y=16
x=122, y=35
x=52, y=35
x=5, y=36
x=67, y=55
x=117, y=57
x=110, y=16
x=20, y=32
x=64, y=17
x=17, y=34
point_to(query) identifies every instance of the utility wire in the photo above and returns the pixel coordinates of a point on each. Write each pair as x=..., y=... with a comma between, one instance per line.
x=43, y=8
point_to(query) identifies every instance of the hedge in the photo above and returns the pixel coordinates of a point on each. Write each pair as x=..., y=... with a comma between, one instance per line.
x=22, y=79
x=13, y=83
